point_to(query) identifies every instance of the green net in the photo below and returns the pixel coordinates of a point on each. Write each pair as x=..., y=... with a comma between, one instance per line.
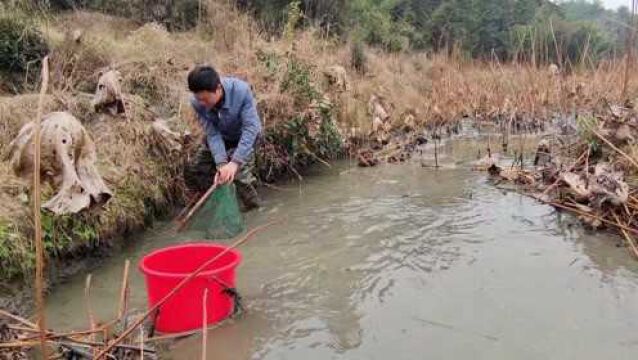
x=220, y=217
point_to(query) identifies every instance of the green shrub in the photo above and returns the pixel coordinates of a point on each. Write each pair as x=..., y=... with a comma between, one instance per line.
x=270, y=61
x=62, y=233
x=358, y=57
x=10, y=263
x=584, y=126
x=329, y=143
x=298, y=82
x=294, y=16
x=22, y=48
x=174, y=14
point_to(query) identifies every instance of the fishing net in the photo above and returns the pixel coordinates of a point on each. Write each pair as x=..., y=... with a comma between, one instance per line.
x=219, y=217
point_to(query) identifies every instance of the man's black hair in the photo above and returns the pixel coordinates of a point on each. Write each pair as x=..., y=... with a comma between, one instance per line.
x=203, y=78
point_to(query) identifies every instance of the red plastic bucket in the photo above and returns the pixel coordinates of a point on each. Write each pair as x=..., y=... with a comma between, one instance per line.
x=165, y=268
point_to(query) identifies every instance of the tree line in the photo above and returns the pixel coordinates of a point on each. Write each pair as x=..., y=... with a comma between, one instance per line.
x=568, y=32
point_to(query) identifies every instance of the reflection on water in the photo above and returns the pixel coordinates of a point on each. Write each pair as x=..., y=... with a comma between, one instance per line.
x=403, y=262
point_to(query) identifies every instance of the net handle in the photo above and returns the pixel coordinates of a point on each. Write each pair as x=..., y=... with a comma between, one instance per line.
x=183, y=222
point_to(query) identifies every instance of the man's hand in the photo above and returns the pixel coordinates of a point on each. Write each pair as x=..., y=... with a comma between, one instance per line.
x=226, y=173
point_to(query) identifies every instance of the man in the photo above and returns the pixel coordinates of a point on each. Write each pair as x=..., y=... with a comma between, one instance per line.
x=227, y=112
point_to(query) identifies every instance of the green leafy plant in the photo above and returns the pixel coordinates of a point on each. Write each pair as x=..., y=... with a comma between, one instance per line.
x=298, y=81
x=358, y=58
x=294, y=16
x=270, y=61
x=22, y=47
x=585, y=124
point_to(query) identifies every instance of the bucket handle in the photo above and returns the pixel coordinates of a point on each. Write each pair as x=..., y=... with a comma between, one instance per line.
x=238, y=306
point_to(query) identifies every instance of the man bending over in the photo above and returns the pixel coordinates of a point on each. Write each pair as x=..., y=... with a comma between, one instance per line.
x=227, y=112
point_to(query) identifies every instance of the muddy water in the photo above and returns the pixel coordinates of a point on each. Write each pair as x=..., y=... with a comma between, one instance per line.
x=403, y=262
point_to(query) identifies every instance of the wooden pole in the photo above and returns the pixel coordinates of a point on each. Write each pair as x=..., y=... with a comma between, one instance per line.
x=489, y=146
x=141, y=342
x=204, y=324
x=199, y=17
x=183, y=222
x=436, y=151
x=522, y=147
x=89, y=309
x=123, y=306
x=583, y=213
x=17, y=318
x=630, y=50
x=39, y=246
x=624, y=154
x=558, y=54
x=629, y=239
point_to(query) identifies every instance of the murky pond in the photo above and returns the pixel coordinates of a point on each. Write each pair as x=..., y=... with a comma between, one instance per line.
x=404, y=262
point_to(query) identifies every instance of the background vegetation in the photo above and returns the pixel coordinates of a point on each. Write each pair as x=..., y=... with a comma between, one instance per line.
x=566, y=32
x=506, y=29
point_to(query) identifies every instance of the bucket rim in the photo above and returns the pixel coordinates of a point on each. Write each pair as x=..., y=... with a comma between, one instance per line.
x=148, y=271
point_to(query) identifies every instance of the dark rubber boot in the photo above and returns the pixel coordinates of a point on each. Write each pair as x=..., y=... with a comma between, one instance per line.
x=249, y=197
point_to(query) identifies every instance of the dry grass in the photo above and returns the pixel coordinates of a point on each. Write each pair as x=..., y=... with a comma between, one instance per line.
x=439, y=88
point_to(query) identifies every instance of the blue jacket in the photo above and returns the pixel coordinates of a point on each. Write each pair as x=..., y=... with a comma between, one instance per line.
x=235, y=122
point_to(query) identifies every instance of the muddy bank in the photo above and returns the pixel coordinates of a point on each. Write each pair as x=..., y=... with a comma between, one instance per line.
x=16, y=296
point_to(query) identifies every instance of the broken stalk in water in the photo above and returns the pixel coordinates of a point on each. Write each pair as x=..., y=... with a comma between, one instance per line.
x=629, y=239
x=555, y=183
x=436, y=152
x=89, y=310
x=624, y=154
x=39, y=245
x=582, y=213
x=204, y=323
x=124, y=292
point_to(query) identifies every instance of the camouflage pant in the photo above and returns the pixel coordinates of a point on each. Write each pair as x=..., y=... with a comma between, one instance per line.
x=199, y=173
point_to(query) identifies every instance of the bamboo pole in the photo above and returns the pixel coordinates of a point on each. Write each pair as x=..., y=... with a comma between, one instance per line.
x=601, y=137
x=583, y=213
x=204, y=324
x=89, y=310
x=183, y=222
x=180, y=216
x=180, y=285
x=39, y=246
x=181, y=334
x=489, y=146
x=19, y=319
x=522, y=148
x=570, y=168
x=558, y=53
x=53, y=336
x=123, y=305
x=630, y=50
x=629, y=239
x=25, y=344
x=141, y=342
x=199, y=17
x=436, y=151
